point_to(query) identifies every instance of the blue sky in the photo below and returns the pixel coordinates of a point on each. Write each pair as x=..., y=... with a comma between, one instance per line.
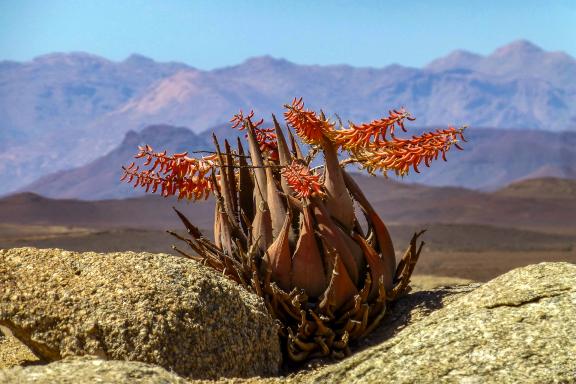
x=210, y=34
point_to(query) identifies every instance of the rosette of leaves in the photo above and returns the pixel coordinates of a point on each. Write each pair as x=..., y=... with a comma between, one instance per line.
x=290, y=233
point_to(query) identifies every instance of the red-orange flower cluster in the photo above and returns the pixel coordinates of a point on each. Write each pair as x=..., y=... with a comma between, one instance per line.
x=301, y=180
x=400, y=155
x=178, y=174
x=362, y=135
x=309, y=127
x=373, y=146
x=265, y=137
x=238, y=120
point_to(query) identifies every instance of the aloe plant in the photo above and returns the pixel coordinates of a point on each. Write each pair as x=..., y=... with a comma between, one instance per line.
x=289, y=232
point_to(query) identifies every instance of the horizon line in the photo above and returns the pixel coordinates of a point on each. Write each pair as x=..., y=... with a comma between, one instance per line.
x=135, y=55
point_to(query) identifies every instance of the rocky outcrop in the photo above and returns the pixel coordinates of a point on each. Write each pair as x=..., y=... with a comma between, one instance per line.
x=85, y=370
x=153, y=308
x=516, y=328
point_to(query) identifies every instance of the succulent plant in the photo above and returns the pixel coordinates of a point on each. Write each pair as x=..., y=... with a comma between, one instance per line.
x=290, y=233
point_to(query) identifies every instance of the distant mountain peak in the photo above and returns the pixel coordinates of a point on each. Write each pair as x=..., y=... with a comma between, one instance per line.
x=68, y=58
x=518, y=47
x=173, y=89
x=164, y=129
x=265, y=61
x=456, y=59
x=150, y=133
x=137, y=59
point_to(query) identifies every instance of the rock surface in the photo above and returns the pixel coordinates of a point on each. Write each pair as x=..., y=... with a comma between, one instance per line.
x=516, y=328
x=153, y=308
x=12, y=351
x=84, y=370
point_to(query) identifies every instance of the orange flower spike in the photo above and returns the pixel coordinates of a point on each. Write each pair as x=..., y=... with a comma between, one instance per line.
x=365, y=134
x=239, y=118
x=302, y=181
x=400, y=155
x=309, y=127
x=176, y=174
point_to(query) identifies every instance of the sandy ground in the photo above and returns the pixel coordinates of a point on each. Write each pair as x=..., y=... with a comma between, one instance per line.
x=484, y=266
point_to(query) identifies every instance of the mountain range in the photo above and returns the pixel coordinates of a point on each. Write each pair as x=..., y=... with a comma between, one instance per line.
x=62, y=111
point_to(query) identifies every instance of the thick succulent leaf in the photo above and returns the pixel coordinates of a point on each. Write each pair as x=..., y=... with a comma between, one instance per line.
x=308, y=270
x=224, y=180
x=217, y=226
x=232, y=180
x=285, y=158
x=275, y=204
x=246, y=188
x=338, y=200
x=226, y=239
x=339, y=296
x=385, y=246
x=355, y=249
x=257, y=161
x=262, y=223
x=262, y=227
x=296, y=151
x=377, y=267
x=284, y=155
x=278, y=258
x=333, y=236
x=226, y=195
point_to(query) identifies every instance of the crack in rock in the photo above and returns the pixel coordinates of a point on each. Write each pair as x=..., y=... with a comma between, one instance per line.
x=534, y=299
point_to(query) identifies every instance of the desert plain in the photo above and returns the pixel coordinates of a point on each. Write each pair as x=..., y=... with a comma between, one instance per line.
x=472, y=235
